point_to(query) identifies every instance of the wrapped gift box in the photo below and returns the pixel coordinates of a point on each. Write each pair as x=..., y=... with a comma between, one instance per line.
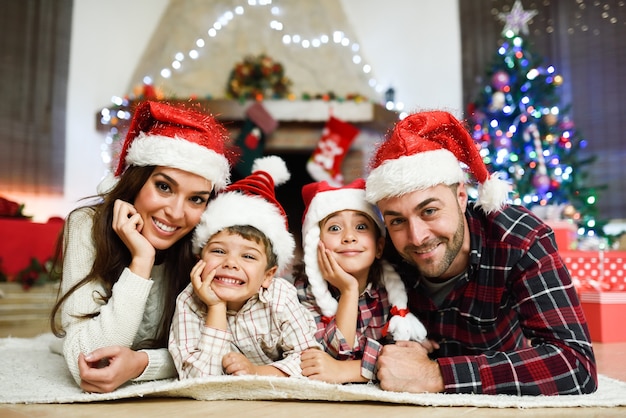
x=23, y=240
x=605, y=312
x=597, y=270
x=600, y=277
x=565, y=234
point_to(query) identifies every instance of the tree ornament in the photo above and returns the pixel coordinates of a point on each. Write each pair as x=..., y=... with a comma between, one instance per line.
x=517, y=20
x=567, y=123
x=569, y=212
x=541, y=182
x=500, y=80
x=497, y=101
x=550, y=119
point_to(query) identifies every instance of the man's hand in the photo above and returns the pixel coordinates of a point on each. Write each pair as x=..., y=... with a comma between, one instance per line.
x=405, y=367
x=107, y=368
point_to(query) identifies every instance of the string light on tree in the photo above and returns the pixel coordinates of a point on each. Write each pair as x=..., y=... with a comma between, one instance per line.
x=185, y=56
x=524, y=134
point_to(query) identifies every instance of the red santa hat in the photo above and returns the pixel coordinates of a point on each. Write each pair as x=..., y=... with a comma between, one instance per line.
x=252, y=201
x=426, y=149
x=164, y=135
x=322, y=200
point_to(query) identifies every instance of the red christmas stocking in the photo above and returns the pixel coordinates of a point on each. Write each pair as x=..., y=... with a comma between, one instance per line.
x=250, y=142
x=325, y=162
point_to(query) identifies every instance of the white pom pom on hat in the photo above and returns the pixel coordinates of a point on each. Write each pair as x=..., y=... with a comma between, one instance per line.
x=252, y=201
x=426, y=149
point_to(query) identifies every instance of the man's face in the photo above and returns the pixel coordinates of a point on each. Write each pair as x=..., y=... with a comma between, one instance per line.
x=428, y=229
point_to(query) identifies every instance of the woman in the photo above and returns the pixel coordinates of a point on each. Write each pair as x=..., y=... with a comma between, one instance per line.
x=126, y=257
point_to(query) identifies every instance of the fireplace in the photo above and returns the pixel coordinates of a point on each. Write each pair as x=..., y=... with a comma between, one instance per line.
x=300, y=125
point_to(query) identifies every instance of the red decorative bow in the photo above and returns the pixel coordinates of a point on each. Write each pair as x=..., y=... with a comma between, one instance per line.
x=397, y=311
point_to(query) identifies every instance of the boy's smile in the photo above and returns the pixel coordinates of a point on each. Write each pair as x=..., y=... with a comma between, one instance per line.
x=240, y=268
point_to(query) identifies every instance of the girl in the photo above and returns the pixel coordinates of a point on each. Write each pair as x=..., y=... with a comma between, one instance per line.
x=343, y=239
x=126, y=257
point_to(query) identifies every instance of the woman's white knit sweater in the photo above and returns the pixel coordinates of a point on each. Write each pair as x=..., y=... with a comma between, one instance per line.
x=131, y=314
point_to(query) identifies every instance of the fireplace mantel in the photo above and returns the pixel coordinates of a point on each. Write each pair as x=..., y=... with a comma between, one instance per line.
x=300, y=124
x=363, y=114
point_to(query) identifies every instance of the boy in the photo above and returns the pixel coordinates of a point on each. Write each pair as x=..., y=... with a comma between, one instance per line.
x=235, y=317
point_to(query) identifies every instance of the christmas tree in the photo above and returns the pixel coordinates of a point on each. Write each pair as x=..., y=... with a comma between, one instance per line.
x=527, y=136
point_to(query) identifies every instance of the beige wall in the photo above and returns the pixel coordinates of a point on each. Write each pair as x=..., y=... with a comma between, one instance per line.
x=413, y=45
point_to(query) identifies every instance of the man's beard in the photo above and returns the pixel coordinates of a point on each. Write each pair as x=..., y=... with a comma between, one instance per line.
x=453, y=248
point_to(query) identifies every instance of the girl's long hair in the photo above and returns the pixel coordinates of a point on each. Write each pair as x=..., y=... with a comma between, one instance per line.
x=112, y=256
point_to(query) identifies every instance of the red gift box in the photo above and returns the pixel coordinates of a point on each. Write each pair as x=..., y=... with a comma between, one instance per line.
x=605, y=312
x=565, y=234
x=597, y=270
x=600, y=277
x=22, y=240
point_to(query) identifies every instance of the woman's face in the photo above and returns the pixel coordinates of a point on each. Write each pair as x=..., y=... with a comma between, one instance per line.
x=170, y=204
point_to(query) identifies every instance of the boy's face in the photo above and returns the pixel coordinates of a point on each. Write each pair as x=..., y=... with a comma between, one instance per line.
x=354, y=240
x=240, y=265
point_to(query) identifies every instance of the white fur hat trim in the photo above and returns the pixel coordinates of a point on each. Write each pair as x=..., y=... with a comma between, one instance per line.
x=182, y=154
x=236, y=208
x=409, y=173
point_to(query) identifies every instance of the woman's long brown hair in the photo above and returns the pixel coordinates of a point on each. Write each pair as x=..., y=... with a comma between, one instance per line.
x=112, y=256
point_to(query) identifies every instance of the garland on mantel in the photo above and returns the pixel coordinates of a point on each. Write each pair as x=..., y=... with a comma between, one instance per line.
x=257, y=77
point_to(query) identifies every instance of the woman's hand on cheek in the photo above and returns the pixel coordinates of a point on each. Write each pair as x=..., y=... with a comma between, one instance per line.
x=127, y=224
x=107, y=368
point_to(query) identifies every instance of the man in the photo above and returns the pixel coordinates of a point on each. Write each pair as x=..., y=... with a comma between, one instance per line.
x=485, y=278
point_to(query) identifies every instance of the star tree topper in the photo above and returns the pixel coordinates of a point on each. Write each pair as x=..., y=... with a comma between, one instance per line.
x=517, y=19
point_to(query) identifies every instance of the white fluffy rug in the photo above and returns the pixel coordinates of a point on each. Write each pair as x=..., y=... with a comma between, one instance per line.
x=30, y=373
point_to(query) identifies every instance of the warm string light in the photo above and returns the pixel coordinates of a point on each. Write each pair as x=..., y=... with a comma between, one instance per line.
x=507, y=130
x=338, y=37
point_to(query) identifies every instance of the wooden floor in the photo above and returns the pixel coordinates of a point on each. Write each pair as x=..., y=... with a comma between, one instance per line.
x=610, y=359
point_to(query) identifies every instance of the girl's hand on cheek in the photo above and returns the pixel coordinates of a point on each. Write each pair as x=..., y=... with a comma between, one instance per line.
x=332, y=272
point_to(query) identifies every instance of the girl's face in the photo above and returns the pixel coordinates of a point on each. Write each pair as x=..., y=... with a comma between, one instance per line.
x=240, y=266
x=170, y=204
x=354, y=241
